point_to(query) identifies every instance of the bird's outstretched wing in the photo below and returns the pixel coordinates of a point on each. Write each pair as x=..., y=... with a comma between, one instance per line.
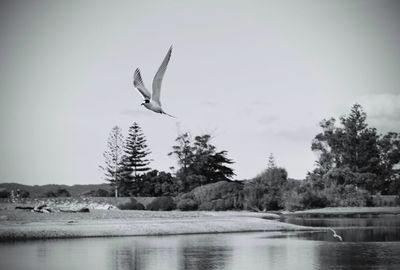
x=159, y=76
x=139, y=85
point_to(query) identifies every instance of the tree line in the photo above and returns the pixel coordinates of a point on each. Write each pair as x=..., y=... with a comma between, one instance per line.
x=353, y=162
x=127, y=168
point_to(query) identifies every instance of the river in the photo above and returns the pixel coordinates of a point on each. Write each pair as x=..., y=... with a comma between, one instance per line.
x=372, y=243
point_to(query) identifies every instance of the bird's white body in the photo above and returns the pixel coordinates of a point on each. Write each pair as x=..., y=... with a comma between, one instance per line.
x=152, y=101
x=153, y=106
x=336, y=235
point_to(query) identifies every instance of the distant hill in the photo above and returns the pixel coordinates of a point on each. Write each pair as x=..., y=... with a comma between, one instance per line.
x=38, y=191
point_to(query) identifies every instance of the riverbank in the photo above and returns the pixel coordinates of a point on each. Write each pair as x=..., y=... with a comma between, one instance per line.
x=25, y=225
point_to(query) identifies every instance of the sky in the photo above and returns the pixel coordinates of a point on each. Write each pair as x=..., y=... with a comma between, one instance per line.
x=258, y=75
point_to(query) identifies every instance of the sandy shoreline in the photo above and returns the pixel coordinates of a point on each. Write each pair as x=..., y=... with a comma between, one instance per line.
x=26, y=225
x=22, y=225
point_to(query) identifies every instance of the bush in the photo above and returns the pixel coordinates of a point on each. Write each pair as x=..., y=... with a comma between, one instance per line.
x=97, y=193
x=164, y=203
x=61, y=192
x=218, y=196
x=354, y=197
x=206, y=206
x=292, y=201
x=397, y=200
x=132, y=205
x=187, y=205
x=24, y=194
x=347, y=195
x=313, y=199
x=266, y=191
x=4, y=193
x=49, y=194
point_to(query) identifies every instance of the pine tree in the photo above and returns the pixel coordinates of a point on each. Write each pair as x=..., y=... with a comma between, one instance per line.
x=271, y=161
x=135, y=160
x=113, y=159
x=360, y=143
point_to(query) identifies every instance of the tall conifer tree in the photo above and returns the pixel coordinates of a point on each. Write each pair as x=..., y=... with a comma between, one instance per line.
x=135, y=158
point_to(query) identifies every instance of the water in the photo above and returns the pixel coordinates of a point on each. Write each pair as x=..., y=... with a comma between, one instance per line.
x=368, y=244
x=379, y=229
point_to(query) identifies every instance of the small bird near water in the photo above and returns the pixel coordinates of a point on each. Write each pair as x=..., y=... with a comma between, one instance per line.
x=152, y=101
x=336, y=235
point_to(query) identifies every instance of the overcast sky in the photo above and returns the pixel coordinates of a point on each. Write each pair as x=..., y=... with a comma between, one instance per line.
x=258, y=75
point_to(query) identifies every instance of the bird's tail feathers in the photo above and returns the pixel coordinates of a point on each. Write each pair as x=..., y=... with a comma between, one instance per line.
x=168, y=114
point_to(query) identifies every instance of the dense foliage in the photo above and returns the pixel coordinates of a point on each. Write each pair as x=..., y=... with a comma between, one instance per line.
x=155, y=184
x=97, y=193
x=354, y=154
x=200, y=162
x=265, y=191
x=163, y=203
x=131, y=205
x=61, y=192
x=222, y=195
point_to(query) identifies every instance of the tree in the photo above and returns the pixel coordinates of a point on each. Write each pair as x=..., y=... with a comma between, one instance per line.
x=360, y=143
x=354, y=154
x=156, y=184
x=327, y=144
x=135, y=162
x=200, y=162
x=208, y=162
x=271, y=161
x=265, y=191
x=183, y=151
x=389, y=148
x=113, y=159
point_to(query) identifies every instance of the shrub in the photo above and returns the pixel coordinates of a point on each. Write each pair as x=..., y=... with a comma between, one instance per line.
x=266, y=191
x=164, y=203
x=206, y=206
x=49, y=194
x=4, y=193
x=97, y=193
x=347, y=195
x=292, y=201
x=187, y=205
x=24, y=194
x=61, y=192
x=397, y=200
x=354, y=197
x=222, y=195
x=132, y=205
x=313, y=199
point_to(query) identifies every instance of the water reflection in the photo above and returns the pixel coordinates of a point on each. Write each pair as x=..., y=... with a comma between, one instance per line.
x=360, y=256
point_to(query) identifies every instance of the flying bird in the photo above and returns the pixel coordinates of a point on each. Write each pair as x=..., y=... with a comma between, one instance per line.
x=336, y=235
x=152, y=101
